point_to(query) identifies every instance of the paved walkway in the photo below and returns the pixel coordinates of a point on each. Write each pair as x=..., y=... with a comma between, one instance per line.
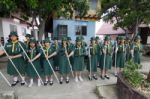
x=81, y=90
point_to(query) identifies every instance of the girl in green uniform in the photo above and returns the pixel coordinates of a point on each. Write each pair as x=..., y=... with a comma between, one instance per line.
x=98, y=43
x=106, y=57
x=136, y=50
x=15, y=52
x=78, y=64
x=63, y=60
x=70, y=48
x=56, y=57
x=128, y=49
x=34, y=54
x=49, y=52
x=120, y=50
x=93, y=52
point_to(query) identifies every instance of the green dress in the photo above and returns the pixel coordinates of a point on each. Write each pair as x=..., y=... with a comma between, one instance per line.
x=30, y=70
x=14, y=49
x=99, y=55
x=93, y=52
x=137, y=53
x=108, y=56
x=79, y=59
x=56, y=57
x=121, y=56
x=70, y=49
x=47, y=68
x=128, y=52
x=64, y=67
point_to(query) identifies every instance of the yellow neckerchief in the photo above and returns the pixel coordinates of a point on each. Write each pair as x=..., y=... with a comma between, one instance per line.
x=79, y=47
x=32, y=50
x=56, y=45
x=123, y=47
x=138, y=45
x=94, y=48
x=13, y=45
x=47, y=49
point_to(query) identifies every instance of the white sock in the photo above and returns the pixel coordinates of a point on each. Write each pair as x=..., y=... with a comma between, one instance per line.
x=23, y=79
x=15, y=78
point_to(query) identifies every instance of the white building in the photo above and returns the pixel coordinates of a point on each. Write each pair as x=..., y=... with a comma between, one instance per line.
x=8, y=25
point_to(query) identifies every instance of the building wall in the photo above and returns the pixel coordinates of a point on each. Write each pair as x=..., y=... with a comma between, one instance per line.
x=5, y=27
x=72, y=25
x=1, y=30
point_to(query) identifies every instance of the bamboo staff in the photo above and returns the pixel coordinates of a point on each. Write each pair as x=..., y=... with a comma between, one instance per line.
x=12, y=63
x=49, y=63
x=5, y=79
x=31, y=63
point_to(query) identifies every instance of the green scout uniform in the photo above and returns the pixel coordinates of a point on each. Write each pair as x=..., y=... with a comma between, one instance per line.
x=94, y=59
x=137, y=51
x=64, y=67
x=99, y=50
x=121, y=56
x=99, y=55
x=14, y=49
x=128, y=52
x=79, y=52
x=32, y=52
x=56, y=57
x=108, y=56
x=47, y=68
x=70, y=49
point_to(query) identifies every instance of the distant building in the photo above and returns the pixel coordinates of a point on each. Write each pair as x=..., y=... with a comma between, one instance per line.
x=144, y=31
x=76, y=26
x=13, y=24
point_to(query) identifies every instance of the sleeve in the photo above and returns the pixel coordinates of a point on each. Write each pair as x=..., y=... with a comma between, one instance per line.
x=5, y=47
x=39, y=51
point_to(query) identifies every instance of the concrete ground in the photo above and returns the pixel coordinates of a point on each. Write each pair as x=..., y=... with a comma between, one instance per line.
x=81, y=90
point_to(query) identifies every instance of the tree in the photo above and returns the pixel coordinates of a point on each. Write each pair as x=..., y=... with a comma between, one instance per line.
x=43, y=9
x=6, y=7
x=128, y=14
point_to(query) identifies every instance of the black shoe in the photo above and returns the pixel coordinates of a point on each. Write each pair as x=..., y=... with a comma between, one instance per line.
x=116, y=75
x=102, y=77
x=61, y=82
x=90, y=78
x=67, y=81
x=45, y=83
x=51, y=83
x=15, y=83
x=106, y=76
x=95, y=77
x=22, y=83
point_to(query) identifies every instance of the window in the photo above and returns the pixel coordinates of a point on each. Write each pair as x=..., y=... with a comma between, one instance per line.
x=81, y=30
x=62, y=31
x=23, y=30
x=13, y=28
x=93, y=4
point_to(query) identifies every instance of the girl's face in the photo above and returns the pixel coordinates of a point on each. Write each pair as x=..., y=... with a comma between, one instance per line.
x=78, y=42
x=27, y=38
x=138, y=41
x=64, y=43
x=55, y=41
x=105, y=42
x=32, y=45
x=13, y=38
x=47, y=44
x=93, y=41
x=122, y=41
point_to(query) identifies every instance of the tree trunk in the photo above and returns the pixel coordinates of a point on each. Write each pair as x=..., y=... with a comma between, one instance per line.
x=136, y=29
x=41, y=30
x=148, y=77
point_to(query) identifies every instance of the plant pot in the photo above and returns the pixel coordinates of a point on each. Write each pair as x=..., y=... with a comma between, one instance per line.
x=125, y=91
